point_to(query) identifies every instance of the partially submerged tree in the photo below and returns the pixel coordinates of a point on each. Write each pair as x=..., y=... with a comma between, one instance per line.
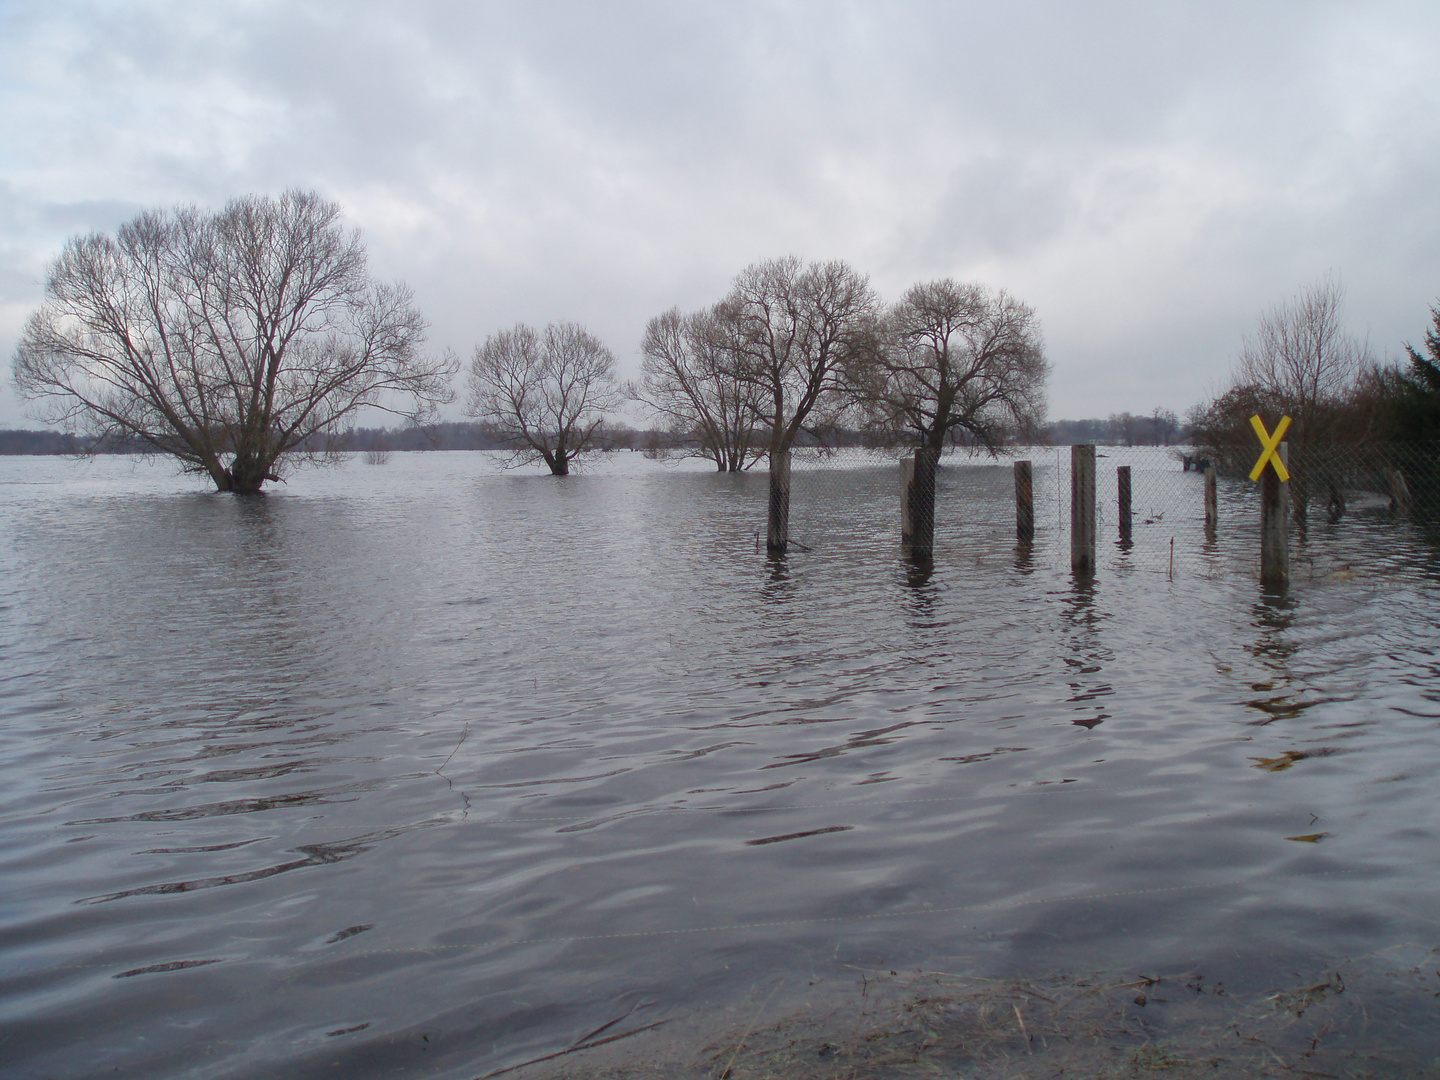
x=547, y=394
x=690, y=378
x=228, y=340
x=951, y=361
x=790, y=329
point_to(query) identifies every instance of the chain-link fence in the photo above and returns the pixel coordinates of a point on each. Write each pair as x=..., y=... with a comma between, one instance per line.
x=1348, y=504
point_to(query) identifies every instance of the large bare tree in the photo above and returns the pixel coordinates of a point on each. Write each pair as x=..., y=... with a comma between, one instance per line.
x=689, y=379
x=227, y=339
x=950, y=359
x=1303, y=361
x=545, y=393
x=790, y=328
x=953, y=358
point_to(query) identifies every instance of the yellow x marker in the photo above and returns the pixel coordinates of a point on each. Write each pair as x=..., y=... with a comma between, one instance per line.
x=1270, y=444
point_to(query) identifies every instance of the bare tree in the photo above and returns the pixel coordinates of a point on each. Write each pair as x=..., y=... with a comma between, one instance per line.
x=228, y=340
x=789, y=329
x=947, y=361
x=952, y=359
x=1304, y=362
x=546, y=394
x=690, y=379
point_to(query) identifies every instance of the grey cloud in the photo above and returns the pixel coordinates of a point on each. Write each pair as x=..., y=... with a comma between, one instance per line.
x=1149, y=175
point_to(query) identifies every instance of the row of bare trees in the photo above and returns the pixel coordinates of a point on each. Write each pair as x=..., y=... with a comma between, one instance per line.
x=234, y=339
x=798, y=348
x=793, y=348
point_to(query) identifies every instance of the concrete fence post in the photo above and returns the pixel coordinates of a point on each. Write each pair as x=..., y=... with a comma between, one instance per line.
x=1274, y=526
x=1024, y=502
x=777, y=535
x=1122, y=484
x=1212, y=504
x=1082, y=510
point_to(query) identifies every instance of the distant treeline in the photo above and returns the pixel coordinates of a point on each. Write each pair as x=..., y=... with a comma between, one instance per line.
x=62, y=442
x=1160, y=428
x=1125, y=429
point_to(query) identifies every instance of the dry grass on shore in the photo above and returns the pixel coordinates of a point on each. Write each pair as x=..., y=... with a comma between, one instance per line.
x=935, y=1025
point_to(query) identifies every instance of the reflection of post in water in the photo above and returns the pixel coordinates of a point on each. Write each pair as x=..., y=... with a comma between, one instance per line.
x=777, y=582
x=921, y=594
x=1090, y=656
x=918, y=572
x=1274, y=614
x=1024, y=556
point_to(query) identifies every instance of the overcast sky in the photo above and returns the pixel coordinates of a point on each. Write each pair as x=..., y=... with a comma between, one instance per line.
x=1148, y=176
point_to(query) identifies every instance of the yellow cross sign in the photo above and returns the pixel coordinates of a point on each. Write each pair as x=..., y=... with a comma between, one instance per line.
x=1270, y=443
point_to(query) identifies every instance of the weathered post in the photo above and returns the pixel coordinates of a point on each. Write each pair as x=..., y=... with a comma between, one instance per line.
x=1399, y=491
x=1212, y=503
x=1274, y=526
x=917, y=503
x=1122, y=483
x=1024, y=502
x=1082, y=510
x=777, y=536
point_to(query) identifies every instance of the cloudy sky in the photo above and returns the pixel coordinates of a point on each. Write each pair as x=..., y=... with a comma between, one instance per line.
x=1149, y=176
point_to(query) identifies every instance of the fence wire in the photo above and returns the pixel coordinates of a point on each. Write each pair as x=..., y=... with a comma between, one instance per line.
x=1349, y=503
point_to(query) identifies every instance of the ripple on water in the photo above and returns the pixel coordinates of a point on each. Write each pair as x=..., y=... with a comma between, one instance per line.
x=475, y=760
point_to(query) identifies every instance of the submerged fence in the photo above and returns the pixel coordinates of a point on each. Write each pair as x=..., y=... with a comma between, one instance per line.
x=1160, y=510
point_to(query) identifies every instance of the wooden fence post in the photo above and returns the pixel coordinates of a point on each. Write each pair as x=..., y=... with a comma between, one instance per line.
x=1024, y=502
x=917, y=503
x=1082, y=510
x=1122, y=483
x=1212, y=503
x=777, y=535
x=1274, y=526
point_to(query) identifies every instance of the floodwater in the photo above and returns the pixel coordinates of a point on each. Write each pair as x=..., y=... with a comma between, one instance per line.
x=431, y=768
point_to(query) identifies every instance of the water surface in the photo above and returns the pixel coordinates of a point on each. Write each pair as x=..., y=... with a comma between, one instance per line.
x=431, y=767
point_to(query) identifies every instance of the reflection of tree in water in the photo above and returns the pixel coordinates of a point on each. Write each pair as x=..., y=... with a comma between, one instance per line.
x=778, y=585
x=919, y=592
x=1088, y=655
x=918, y=572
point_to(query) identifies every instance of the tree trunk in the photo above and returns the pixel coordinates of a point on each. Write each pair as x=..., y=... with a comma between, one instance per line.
x=247, y=473
x=918, y=520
